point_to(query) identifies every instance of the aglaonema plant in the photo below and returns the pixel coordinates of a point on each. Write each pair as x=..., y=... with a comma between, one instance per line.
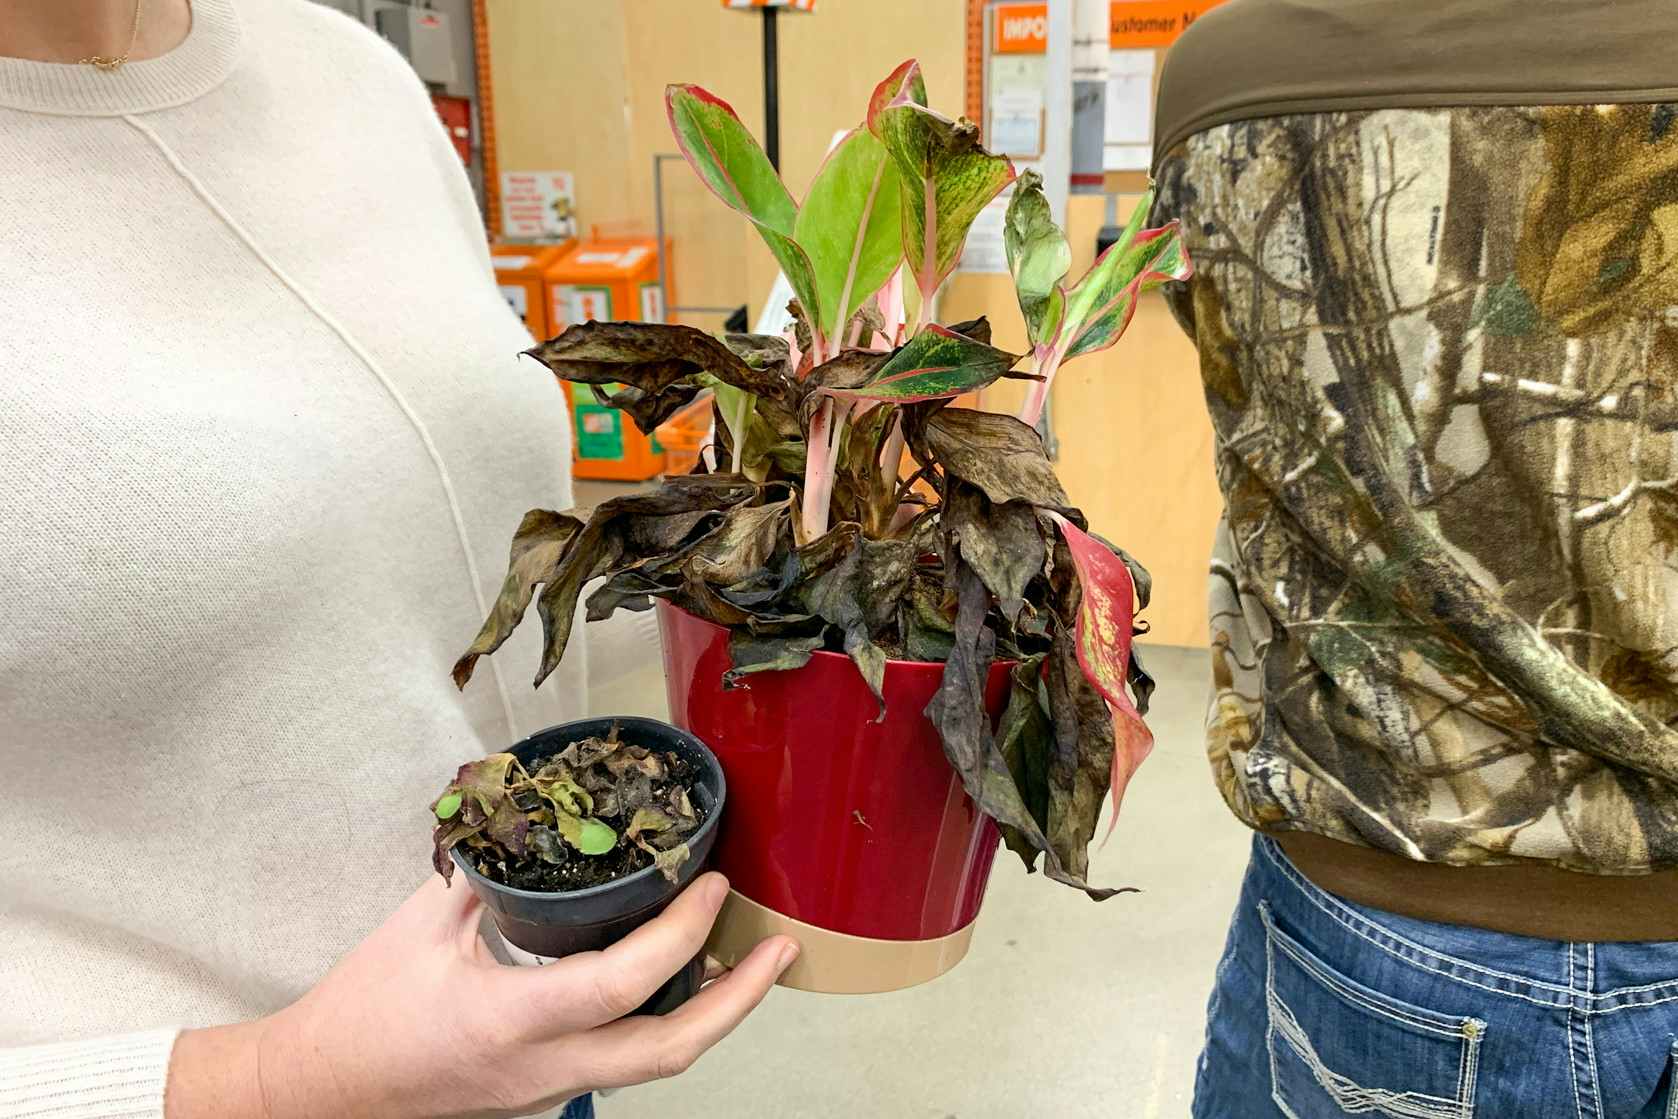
x=810, y=532
x=1068, y=321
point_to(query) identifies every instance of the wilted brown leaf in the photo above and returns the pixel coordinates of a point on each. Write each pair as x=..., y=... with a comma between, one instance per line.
x=1003, y=543
x=958, y=711
x=998, y=454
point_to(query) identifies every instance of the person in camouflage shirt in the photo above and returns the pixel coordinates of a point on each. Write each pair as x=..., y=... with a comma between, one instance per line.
x=1436, y=311
x=1438, y=348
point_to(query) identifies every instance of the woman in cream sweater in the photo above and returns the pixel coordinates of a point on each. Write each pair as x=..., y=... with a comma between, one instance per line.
x=264, y=438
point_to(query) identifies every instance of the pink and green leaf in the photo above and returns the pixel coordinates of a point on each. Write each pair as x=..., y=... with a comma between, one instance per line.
x=1106, y=623
x=1038, y=258
x=906, y=81
x=1102, y=304
x=947, y=177
x=936, y=364
x=729, y=161
x=850, y=228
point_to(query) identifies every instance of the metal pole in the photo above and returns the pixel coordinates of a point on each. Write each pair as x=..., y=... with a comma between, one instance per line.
x=771, y=89
x=1057, y=109
x=658, y=245
x=1057, y=149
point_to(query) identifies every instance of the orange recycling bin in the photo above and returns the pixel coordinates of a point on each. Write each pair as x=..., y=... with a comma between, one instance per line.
x=606, y=280
x=521, y=274
x=684, y=436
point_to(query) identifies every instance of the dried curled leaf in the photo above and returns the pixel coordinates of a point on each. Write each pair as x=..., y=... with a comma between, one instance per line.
x=671, y=860
x=663, y=365
x=998, y=454
x=1025, y=737
x=750, y=654
x=859, y=592
x=565, y=552
x=958, y=711
x=1003, y=543
x=483, y=806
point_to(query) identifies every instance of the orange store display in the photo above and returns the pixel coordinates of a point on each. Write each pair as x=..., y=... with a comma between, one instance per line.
x=606, y=279
x=521, y=274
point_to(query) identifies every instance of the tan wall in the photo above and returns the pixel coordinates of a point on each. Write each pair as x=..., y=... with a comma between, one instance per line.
x=579, y=86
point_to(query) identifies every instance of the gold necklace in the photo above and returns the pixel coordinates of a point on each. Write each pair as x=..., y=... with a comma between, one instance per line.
x=107, y=62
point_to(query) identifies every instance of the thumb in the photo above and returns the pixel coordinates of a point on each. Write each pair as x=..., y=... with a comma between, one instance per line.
x=591, y=988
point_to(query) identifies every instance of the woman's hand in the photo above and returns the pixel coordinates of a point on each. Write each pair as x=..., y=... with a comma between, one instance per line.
x=420, y=1021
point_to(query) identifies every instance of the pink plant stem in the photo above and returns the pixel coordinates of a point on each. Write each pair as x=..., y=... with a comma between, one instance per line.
x=904, y=516
x=739, y=432
x=842, y=413
x=891, y=455
x=827, y=432
x=818, y=471
x=891, y=461
x=891, y=307
x=818, y=467
x=1048, y=363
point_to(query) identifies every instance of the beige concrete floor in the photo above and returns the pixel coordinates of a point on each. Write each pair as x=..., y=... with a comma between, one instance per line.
x=1063, y=1008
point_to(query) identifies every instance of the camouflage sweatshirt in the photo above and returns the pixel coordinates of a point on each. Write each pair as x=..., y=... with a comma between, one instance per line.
x=1437, y=316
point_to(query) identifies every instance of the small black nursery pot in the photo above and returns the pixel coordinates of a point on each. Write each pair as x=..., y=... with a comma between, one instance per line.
x=552, y=925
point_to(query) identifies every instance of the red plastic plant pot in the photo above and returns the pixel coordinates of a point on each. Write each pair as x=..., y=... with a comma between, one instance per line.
x=851, y=834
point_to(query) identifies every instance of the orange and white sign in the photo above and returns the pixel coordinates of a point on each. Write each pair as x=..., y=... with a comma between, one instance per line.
x=1135, y=24
x=1132, y=24
x=1021, y=29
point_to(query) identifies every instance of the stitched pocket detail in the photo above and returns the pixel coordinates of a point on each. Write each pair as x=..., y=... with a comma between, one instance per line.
x=1338, y=1047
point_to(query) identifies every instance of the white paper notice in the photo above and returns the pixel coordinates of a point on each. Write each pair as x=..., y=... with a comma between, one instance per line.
x=1016, y=123
x=538, y=204
x=985, y=251
x=1130, y=110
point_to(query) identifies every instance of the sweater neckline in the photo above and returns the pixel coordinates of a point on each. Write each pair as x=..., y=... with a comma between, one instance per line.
x=198, y=64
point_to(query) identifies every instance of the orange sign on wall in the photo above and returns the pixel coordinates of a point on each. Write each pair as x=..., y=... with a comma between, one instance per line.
x=1021, y=29
x=1152, y=23
x=1134, y=24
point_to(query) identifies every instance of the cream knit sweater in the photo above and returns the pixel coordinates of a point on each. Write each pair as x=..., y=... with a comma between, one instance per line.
x=264, y=437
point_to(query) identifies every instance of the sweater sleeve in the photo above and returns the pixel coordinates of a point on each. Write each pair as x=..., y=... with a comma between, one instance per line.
x=117, y=1077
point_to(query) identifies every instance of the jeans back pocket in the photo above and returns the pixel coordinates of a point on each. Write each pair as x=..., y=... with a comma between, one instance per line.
x=1338, y=1047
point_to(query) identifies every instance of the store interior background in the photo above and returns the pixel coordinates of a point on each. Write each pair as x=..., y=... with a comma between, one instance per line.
x=1063, y=1008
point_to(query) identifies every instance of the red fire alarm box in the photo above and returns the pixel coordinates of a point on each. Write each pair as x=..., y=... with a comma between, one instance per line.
x=456, y=115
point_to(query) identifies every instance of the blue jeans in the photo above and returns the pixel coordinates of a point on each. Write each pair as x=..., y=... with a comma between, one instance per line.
x=1325, y=1008
x=580, y=1108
